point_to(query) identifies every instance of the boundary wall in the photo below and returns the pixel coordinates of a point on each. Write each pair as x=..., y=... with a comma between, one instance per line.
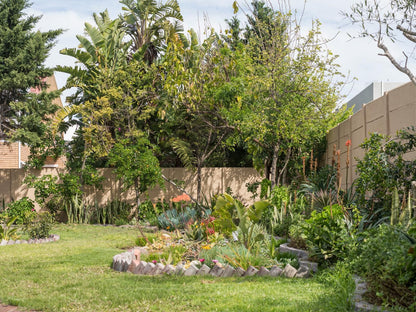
x=393, y=111
x=214, y=181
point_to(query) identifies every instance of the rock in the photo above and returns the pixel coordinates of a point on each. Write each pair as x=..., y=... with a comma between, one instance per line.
x=195, y=263
x=136, y=254
x=3, y=242
x=313, y=266
x=117, y=266
x=165, y=237
x=18, y=242
x=157, y=269
x=169, y=269
x=216, y=270
x=180, y=270
x=251, y=271
x=140, y=268
x=191, y=271
x=133, y=266
x=289, y=271
x=149, y=268
x=24, y=241
x=263, y=272
x=303, y=272
x=31, y=241
x=228, y=271
x=301, y=254
x=204, y=270
x=275, y=271
x=56, y=237
x=240, y=271
x=10, y=242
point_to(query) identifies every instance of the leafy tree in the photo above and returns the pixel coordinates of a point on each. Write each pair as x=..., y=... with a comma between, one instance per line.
x=392, y=23
x=24, y=115
x=289, y=95
x=196, y=78
x=150, y=25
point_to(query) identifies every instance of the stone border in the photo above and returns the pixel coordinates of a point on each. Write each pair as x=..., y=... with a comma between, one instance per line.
x=51, y=238
x=359, y=302
x=130, y=262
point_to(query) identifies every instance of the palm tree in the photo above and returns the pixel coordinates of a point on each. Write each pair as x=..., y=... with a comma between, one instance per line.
x=150, y=25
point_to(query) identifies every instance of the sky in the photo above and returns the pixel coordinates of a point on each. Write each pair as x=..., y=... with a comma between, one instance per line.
x=358, y=58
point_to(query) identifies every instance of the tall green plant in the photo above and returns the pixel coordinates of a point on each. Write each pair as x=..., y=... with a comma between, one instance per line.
x=233, y=214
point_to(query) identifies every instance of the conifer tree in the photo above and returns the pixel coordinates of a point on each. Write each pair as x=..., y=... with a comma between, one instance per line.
x=23, y=51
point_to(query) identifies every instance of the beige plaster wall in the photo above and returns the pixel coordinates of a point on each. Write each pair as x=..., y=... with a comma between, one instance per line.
x=395, y=110
x=214, y=181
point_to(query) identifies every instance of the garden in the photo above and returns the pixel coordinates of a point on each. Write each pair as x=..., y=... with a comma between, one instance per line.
x=147, y=96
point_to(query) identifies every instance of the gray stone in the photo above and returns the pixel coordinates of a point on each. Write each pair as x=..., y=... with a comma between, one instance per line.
x=195, y=263
x=158, y=269
x=204, y=270
x=313, y=266
x=240, y=271
x=140, y=268
x=41, y=240
x=303, y=272
x=263, y=272
x=18, y=242
x=180, y=270
x=275, y=271
x=301, y=254
x=24, y=241
x=251, y=271
x=191, y=271
x=56, y=237
x=169, y=269
x=10, y=242
x=133, y=266
x=117, y=265
x=216, y=270
x=3, y=242
x=289, y=271
x=149, y=268
x=228, y=271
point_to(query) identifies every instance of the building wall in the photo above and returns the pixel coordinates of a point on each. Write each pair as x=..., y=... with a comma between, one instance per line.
x=393, y=111
x=214, y=181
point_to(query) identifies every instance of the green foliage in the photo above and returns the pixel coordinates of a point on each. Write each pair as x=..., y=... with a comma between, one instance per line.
x=231, y=214
x=24, y=115
x=149, y=212
x=287, y=258
x=21, y=210
x=40, y=225
x=113, y=212
x=173, y=219
x=384, y=169
x=6, y=230
x=135, y=165
x=387, y=259
x=327, y=234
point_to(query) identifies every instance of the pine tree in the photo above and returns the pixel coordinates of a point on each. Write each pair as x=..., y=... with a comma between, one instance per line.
x=23, y=51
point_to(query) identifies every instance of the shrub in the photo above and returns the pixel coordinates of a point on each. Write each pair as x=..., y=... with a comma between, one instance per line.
x=387, y=260
x=41, y=225
x=325, y=233
x=114, y=212
x=22, y=209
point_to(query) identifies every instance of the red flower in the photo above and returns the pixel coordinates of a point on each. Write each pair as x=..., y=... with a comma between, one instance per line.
x=348, y=143
x=180, y=198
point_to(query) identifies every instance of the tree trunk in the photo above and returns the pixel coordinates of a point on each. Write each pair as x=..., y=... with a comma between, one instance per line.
x=273, y=177
x=136, y=189
x=283, y=173
x=198, y=185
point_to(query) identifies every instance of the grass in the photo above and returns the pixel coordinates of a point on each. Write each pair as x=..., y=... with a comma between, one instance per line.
x=74, y=274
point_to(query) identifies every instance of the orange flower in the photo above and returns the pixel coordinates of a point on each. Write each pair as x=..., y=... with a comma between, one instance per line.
x=180, y=198
x=348, y=143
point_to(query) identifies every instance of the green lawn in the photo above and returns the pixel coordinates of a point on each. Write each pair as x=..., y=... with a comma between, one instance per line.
x=74, y=274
